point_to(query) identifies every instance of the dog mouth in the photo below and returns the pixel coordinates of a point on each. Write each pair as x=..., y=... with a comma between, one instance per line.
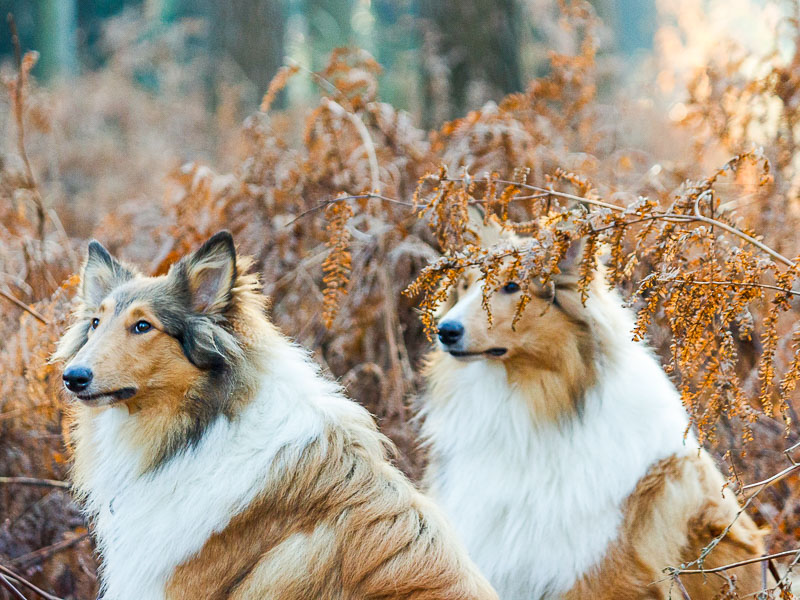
x=495, y=352
x=114, y=395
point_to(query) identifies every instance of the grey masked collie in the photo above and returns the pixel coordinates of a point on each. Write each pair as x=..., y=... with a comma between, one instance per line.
x=214, y=461
x=558, y=451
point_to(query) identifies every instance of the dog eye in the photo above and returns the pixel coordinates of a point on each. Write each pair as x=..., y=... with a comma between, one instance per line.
x=511, y=287
x=95, y=323
x=142, y=327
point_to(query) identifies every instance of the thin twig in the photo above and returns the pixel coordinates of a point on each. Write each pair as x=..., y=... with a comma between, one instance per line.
x=316, y=76
x=326, y=203
x=773, y=571
x=363, y=132
x=785, y=581
x=731, y=283
x=616, y=208
x=34, y=481
x=741, y=563
x=775, y=478
x=665, y=216
x=10, y=587
x=24, y=307
x=25, y=583
x=42, y=554
x=676, y=578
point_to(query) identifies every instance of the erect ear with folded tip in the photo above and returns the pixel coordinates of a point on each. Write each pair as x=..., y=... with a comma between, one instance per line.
x=573, y=257
x=101, y=273
x=489, y=232
x=211, y=274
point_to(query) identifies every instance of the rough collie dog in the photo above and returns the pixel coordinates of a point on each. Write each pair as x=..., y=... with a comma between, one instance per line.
x=558, y=451
x=216, y=462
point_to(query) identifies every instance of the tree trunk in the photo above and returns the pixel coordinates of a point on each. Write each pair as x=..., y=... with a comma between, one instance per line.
x=57, y=22
x=251, y=33
x=479, y=43
x=329, y=27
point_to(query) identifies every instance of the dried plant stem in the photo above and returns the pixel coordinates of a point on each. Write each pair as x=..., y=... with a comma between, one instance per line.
x=27, y=584
x=42, y=554
x=774, y=479
x=24, y=307
x=339, y=110
x=33, y=481
x=19, y=110
x=10, y=587
x=592, y=202
x=366, y=139
x=398, y=356
x=761, y=486
x=542, y=192
x=327, y=203
x=765, y=286
x=742, y=563
x=681, y=587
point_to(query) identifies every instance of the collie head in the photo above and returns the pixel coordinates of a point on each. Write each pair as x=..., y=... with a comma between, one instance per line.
x=177, y=350
x=550, y=353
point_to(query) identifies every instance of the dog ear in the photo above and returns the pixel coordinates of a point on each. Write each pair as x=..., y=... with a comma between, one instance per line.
x=489, y=232
x=211, y=274
x=101, y=273
x=573, y=257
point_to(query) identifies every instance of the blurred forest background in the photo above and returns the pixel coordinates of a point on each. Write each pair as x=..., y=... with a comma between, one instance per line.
x=152, y=124
x=440, y=58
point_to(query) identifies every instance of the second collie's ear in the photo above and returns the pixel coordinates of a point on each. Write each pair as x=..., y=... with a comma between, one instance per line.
x=490, y=231
x=211, y=274
x=101, y=273
x=573, y=257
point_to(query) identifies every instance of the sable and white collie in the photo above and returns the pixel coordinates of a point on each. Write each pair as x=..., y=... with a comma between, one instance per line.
x=558, y=450
x=216, y=462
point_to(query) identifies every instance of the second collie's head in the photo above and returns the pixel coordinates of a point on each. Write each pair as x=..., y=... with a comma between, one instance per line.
x=551, y=347
x=154, y=342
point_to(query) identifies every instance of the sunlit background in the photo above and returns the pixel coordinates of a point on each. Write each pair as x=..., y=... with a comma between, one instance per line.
x=157, y=83
x=440, y=57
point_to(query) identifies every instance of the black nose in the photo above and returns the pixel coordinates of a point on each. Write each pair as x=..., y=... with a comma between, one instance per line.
x=450, y=332
x=77, y=378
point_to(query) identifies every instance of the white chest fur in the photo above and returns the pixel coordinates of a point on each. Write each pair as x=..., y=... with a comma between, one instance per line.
x=148, y=525
x=538, y=505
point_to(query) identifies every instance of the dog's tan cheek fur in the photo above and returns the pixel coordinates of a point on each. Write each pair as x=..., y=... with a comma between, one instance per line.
x=553, y=374
x=164, y=376
x=155, y=365
x=162, y=371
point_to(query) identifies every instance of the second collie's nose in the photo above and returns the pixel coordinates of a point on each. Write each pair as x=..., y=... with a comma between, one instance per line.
x=77, y=378
x=450, y=332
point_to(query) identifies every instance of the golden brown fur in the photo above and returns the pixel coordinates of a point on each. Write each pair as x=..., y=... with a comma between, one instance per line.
x=338, y=522
x=676, y=511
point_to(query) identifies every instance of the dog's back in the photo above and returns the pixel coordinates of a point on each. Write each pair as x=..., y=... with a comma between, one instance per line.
x=335, y=520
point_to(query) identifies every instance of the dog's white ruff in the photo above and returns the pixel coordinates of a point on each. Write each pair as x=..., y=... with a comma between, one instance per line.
x=146, y=526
